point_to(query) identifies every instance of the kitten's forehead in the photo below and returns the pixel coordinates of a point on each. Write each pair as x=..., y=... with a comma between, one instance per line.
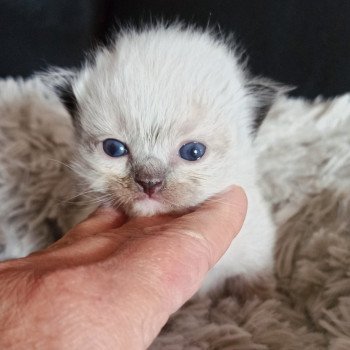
x=161, y=83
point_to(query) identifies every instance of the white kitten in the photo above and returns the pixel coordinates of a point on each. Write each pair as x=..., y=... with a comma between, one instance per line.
x=165, y=119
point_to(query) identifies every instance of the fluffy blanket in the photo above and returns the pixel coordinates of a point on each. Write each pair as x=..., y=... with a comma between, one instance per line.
x=304, y=150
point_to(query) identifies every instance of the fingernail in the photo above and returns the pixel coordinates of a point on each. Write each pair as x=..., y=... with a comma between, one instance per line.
x=233, y=188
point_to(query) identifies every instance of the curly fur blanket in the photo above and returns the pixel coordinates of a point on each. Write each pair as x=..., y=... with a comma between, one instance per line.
x=304, y=152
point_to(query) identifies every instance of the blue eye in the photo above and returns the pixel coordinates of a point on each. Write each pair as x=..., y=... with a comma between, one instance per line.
x=192, y=151
x=114, y=148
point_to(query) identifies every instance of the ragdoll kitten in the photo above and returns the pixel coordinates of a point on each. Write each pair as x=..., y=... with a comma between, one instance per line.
x=165, y=119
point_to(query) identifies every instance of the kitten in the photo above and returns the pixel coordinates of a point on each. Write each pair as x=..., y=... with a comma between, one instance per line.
x=165, y=118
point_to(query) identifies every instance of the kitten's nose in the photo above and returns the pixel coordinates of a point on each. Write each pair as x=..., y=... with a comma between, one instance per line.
x=150, y=186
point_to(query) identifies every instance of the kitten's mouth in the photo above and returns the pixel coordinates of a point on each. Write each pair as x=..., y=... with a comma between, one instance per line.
x=146, y=205
x=147, y=197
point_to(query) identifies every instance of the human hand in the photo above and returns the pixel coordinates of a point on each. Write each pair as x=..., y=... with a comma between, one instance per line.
x=113, y=282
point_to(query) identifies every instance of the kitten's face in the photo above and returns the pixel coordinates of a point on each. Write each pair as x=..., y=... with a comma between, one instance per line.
x=163, y=122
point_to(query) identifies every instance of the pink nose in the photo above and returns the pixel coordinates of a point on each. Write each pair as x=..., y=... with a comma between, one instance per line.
x=150, y=186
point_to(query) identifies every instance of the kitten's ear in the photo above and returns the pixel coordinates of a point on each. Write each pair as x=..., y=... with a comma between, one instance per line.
x=266, y=92
x=60, y=81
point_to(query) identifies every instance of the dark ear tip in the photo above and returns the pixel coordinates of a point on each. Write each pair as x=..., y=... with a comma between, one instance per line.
x=67, y=97
x=266, y=92
x=283, y=89
x=266, y=85
x=60, y=81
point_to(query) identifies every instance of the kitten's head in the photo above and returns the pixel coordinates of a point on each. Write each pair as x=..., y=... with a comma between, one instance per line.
x=164, y=119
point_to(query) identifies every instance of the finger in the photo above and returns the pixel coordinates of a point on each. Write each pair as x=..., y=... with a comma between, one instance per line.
x=218, y=221
x=102, y=219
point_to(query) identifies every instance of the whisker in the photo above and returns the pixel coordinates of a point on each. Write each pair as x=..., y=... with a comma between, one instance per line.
x=85, y=193
x=62, y=163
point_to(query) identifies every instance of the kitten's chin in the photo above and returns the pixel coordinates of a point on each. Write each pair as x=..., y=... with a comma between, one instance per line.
x=147, y=207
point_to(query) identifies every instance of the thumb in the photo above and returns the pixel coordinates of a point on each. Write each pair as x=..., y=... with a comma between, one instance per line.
x=164, y=265
x=216, y=222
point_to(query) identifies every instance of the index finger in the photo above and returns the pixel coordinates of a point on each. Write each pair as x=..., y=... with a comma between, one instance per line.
x=102, y=219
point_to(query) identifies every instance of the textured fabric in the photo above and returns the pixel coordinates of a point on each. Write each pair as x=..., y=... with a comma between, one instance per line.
x=36, y=34
x=35, y=138
x=299, y=43
x=304, y=153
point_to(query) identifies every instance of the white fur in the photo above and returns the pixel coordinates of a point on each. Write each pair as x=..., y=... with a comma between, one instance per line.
x=156, y=90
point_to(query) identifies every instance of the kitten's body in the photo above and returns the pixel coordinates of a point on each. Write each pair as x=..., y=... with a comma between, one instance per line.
x=156, y=90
